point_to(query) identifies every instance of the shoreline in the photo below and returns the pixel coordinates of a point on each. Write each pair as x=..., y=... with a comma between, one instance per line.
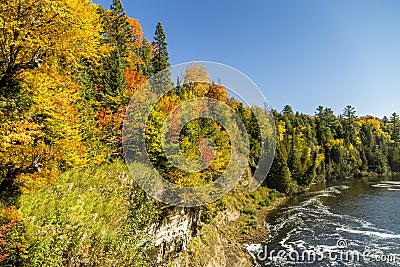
x=261, y=233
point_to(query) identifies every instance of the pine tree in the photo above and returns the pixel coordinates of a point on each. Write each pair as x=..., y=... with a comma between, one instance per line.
x=382, y=166
x=349, y=113
x=159, y=62
x=394, y=120
x=350, y=128
x=117, y=29
x=160, y=55
x=119, y=35
x=287, y=110
x=144, y=53
x=279, y=176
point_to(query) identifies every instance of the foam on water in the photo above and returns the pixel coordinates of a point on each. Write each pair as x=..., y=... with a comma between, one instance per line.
x=369, y=233
x=390, y=185
x=391, y=182
x=381, y=185
x=311, y=224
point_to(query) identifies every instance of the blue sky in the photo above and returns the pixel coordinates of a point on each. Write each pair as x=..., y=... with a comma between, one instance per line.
x=304, y=53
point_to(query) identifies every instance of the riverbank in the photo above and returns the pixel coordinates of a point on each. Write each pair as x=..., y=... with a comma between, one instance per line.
x=221, y=242
x=260, y=233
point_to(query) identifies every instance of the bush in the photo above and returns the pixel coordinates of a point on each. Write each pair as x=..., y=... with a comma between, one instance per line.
x=249, y=211
x=12, y=242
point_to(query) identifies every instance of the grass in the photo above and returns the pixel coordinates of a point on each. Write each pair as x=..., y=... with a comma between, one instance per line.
x=86, y=219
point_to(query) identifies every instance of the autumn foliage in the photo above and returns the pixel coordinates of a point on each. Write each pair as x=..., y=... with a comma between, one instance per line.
x=68, y=70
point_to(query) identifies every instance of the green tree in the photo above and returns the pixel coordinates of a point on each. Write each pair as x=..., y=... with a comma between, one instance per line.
x=117, y=29
x=349, y=113
x=287, y=110
x=382, y=166
x=350, y=127
x=160, y=57
x=159, y=62
x=395, y=122
x=279, y=176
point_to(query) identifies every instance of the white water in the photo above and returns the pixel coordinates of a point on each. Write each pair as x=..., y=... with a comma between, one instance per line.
x=361, y=217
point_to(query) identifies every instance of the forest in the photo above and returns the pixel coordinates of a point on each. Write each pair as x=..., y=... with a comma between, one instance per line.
x=68, y=70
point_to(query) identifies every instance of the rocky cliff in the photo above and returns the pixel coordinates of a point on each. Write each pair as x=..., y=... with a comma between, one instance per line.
x=171, y=234
x=179, y=226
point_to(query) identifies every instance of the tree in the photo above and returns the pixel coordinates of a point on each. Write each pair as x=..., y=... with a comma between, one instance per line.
x=144, y=52
x=395, y=122
x=111, y=84
x=349, y=112
x=160, y=57
x=287, y=110
x=117, y=29
x=119, y=35
x=35, y=32
x=159, y=62
x=279, y=176
x=382, y=166
x=350, y=128
x=196, y=73
x=41, y=42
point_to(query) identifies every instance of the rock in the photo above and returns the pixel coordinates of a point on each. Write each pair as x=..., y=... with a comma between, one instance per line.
x=171, y=234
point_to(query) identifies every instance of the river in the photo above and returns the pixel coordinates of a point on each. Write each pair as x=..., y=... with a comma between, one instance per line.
x=345, y=223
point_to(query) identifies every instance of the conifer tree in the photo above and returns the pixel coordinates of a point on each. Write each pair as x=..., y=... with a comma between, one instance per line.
x=117, y=29
x=394, y=120
x=160, y=55
x=279, y=176
x=159, y=62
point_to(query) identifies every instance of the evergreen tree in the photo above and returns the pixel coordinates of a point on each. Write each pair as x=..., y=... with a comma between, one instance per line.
x=118, y=35
x=349, y=113
x=117, y=29
x=160, y=54
x=394, y=159
x=395, y=123
x=279, y=176
x=382, y=166
x=287, y=110
x=144, y=52
x=159, y=62
x=350, y=128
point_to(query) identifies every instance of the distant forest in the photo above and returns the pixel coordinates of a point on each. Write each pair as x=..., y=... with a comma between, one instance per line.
x=326, y=146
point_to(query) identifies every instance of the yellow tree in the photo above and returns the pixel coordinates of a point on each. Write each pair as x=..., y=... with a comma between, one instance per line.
x=34, y=32
x=40, y=41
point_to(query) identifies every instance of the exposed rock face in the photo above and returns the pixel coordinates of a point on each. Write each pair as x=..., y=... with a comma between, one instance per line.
x=171, y=234
x=178, y=226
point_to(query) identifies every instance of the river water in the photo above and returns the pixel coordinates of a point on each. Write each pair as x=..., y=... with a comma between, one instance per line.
x=345, y=223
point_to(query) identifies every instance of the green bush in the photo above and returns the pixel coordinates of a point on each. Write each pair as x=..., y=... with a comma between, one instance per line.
x=249, y=211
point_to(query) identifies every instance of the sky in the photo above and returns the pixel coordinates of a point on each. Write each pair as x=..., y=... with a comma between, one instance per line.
x=304, y=53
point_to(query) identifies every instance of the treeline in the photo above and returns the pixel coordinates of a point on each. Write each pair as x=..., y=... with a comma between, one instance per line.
x=326, y=146
x=68, y=70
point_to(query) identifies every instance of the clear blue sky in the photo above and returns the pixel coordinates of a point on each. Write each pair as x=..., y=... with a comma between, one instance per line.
x=301, y=52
